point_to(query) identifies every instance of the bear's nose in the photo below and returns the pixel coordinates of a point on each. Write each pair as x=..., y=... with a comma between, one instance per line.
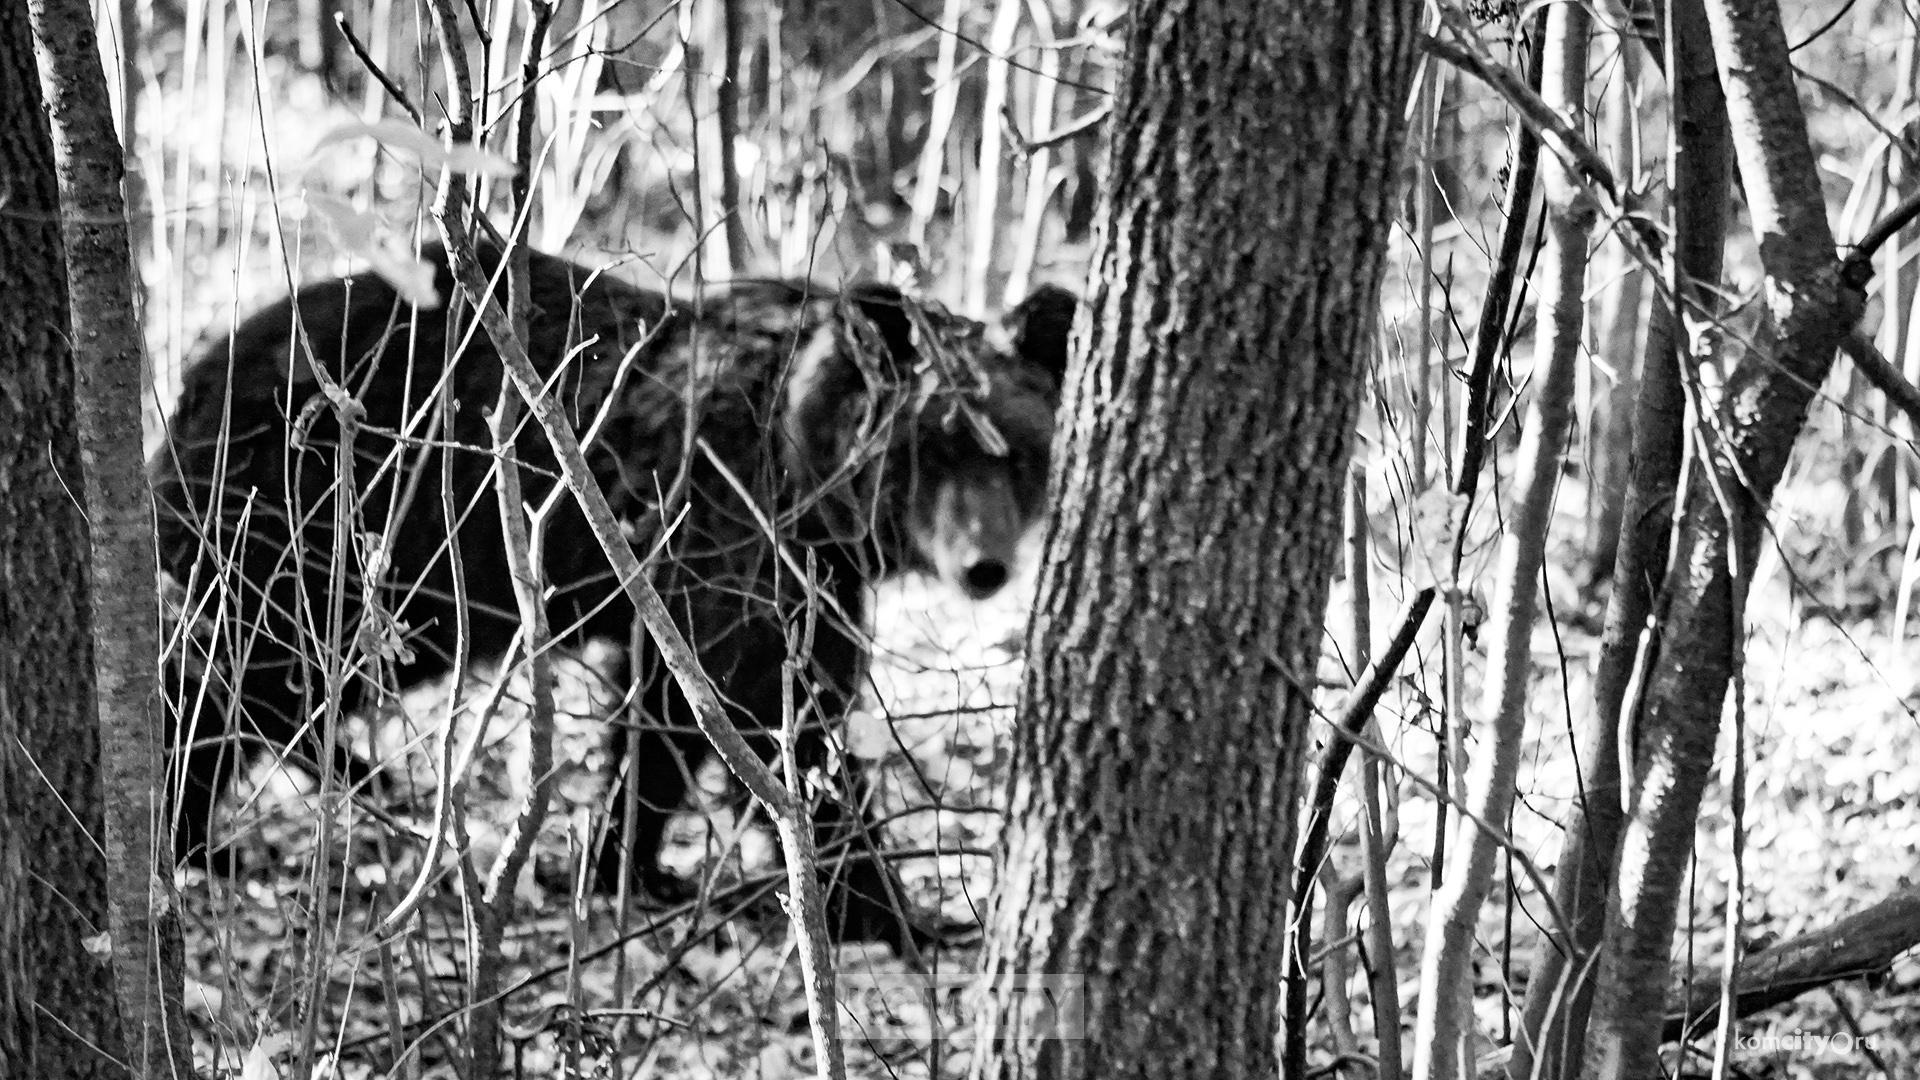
x=984, y=578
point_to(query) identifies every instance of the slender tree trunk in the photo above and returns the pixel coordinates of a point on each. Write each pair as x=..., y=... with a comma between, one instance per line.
x=1762, y=409
x=1165, y=714
x=1560, y=986
x=57, y=1015
x=1618, y=322
x=143, y=914
x=1445, y=1033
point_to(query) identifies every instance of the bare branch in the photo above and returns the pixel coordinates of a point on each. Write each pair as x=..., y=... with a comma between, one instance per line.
x=1883, y=375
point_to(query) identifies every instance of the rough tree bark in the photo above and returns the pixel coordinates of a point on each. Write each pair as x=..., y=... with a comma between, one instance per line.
x=56, y=999
x=1741, y=456
x=1165, y=714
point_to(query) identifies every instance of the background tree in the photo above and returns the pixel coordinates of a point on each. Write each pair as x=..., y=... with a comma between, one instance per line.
x=143, y=915
x=57, y=1014
x=1164, y=718
x=1738, y=462
x=1558, y=996
x=1446, y=985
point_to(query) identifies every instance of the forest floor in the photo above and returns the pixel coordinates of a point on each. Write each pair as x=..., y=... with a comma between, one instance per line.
x=1832, y=825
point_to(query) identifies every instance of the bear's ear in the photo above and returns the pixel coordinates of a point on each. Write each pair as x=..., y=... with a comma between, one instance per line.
x=863, y=346
x=886, y=310
x=1040, y=328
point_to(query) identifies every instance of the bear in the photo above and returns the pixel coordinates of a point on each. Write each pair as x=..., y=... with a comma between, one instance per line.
x=775, y=448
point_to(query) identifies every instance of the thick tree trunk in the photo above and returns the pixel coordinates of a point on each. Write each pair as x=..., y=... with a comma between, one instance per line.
x=56, y=999
x=1165, y=715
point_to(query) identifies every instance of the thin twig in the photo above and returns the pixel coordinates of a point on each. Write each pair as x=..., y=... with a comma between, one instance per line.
x=1883, y=375
x=977, y=46
x=727, y=115
x=1073, y=129
x=1901, y=145
x=1566, y=143
x=360, y=52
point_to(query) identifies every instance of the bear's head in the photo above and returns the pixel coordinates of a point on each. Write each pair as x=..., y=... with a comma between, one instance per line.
x=929, y=436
